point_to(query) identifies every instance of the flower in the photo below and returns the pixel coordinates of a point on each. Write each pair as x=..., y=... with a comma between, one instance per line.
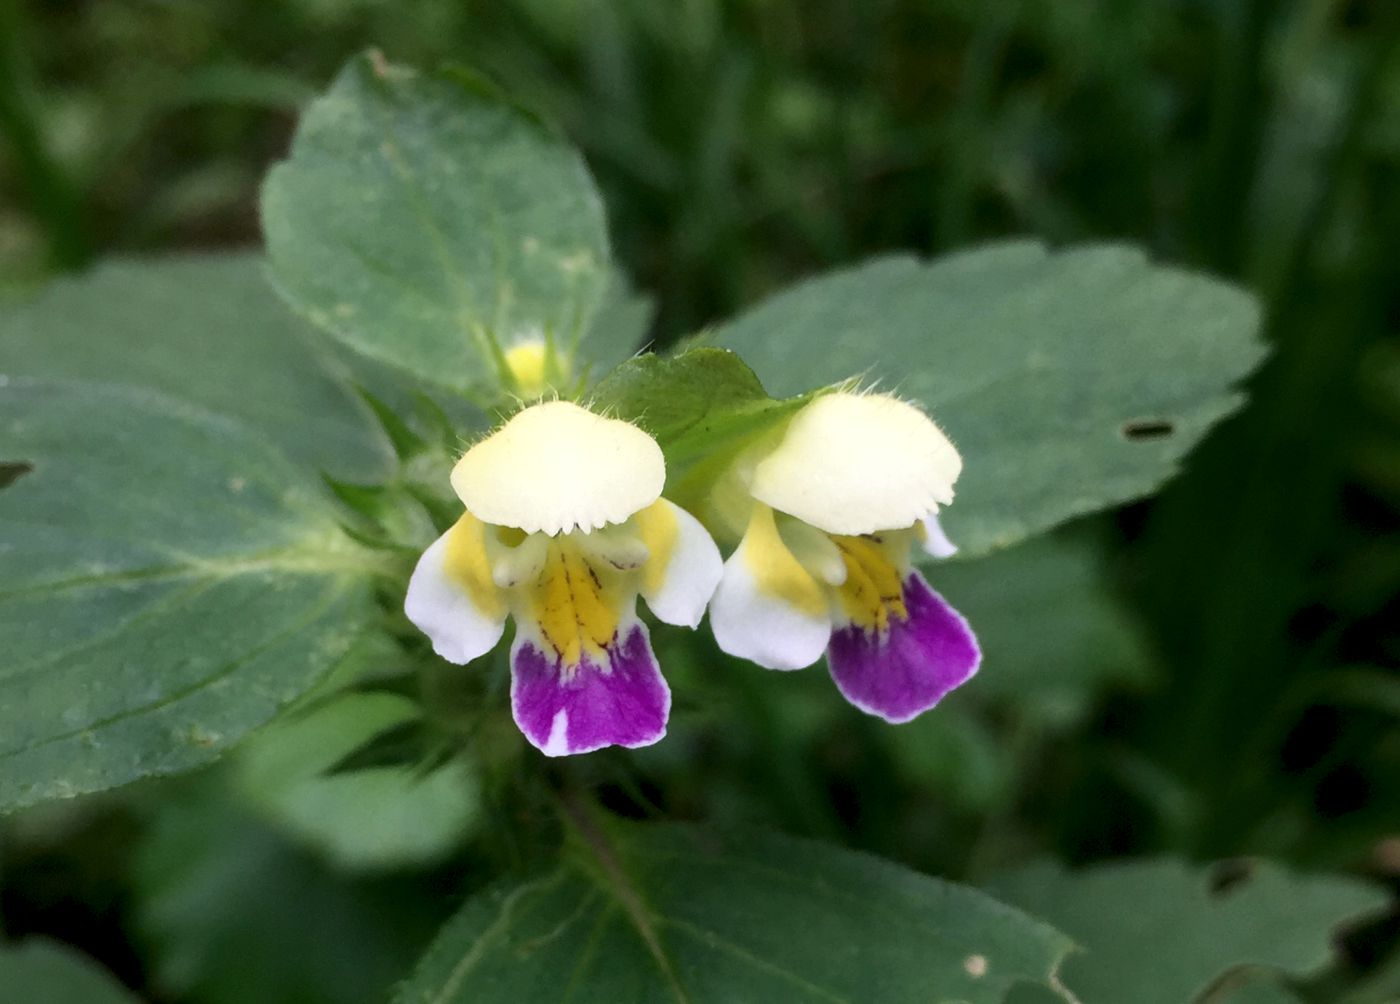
x=564, y=526
x=833, y=505
x=532, y=366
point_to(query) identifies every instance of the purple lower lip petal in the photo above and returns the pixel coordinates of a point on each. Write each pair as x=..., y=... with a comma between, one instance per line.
x=902, y=672
x=621, y=700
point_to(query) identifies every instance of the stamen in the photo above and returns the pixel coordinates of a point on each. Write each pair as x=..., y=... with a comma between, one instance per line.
x=814, y=550
x=513, y=564
x=617, y=547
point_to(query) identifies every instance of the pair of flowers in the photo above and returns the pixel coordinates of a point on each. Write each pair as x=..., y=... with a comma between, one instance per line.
x=565, y=526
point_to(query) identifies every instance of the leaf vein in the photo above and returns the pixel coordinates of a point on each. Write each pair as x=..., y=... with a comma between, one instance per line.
x=175, y=697
x=715, y=940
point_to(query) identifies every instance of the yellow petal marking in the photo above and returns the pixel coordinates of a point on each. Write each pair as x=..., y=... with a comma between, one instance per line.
x=467, y=564
x=775, y=570
x=576, y=605
x=873, y=592
x=659, y=530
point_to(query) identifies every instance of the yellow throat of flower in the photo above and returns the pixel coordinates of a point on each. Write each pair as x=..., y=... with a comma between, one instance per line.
x=873, y=592
x=575, y=601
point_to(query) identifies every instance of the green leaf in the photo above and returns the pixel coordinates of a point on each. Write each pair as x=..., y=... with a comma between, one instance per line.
x=958, y=753
x=1070, y=380
x=365, y=818
x=1256, y=991
x=234, y=914
x=428, y=223
x=36, y=971
x=694, y=403
x=305, y=743
x=170, y=582
x=680, y=913
x=618, y=329
x=210, y=331
x=1380, y=985
x=1053, y=636
x=1155, y=932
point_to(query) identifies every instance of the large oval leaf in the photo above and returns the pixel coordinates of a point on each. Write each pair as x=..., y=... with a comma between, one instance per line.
x=37, y=971
x=1162, y=932
x=210, y=331
x=676, y=913
x=227, y=912
x=424, y=220
x=1070, y=381
x=169, y=582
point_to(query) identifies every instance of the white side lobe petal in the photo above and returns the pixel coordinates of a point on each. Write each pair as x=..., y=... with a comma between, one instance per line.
x=684, y=565
x=768, y=609
x=442, y=607
x=762, y=628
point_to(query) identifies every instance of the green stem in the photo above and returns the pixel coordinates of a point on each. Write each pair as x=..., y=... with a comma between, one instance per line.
x=1236, y=133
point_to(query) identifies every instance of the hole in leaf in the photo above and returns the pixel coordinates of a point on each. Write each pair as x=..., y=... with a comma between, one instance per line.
x=1341, y=791
x=1143, y=429
x=10, y=472
x=1229, y=875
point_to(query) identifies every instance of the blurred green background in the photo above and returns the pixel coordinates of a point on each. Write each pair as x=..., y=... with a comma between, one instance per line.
x=1229, y=686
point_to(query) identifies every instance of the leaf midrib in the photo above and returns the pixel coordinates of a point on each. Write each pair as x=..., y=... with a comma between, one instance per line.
x=293, y=561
